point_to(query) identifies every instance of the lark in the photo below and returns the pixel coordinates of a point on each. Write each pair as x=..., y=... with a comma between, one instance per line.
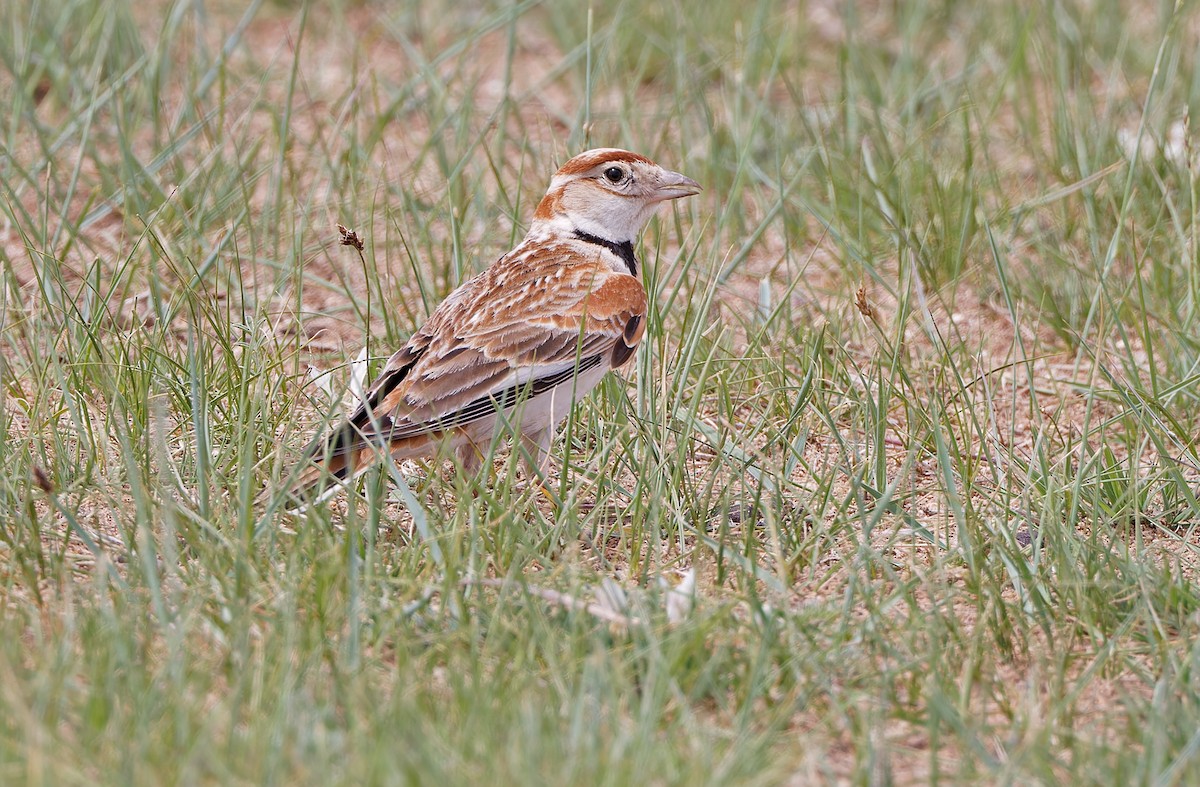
x=512, y=349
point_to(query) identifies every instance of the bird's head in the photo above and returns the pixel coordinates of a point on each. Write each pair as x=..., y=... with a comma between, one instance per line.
x=608, y=193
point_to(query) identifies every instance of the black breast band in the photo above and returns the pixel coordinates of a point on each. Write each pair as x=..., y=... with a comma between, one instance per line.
x=622, y=250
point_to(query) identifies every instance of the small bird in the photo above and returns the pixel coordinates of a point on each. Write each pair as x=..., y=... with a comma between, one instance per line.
x=514, y=347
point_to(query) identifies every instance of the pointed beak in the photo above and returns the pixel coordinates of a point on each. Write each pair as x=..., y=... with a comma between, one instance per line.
x=672, y=185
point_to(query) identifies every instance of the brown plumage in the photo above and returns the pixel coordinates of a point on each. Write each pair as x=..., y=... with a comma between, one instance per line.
x=515, y=346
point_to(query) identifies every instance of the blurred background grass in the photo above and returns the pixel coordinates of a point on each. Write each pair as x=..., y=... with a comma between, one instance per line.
x=903, y=485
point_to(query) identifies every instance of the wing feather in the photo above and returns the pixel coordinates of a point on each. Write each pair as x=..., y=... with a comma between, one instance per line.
x=524, y=326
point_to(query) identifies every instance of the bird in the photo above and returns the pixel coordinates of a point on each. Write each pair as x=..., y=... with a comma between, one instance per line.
x=514, y=347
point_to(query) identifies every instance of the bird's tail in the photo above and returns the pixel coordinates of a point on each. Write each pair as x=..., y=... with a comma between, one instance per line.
x=329, y=463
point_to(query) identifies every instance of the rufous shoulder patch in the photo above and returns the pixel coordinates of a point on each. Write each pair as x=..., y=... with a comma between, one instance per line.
x=619, y=294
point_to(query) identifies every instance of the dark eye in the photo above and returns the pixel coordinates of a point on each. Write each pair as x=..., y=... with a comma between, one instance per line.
x=614, y=174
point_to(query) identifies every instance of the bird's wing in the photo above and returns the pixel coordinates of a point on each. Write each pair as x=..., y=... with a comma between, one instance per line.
x=510, y=332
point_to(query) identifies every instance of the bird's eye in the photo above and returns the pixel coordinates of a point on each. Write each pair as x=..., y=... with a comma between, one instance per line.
x=614, y=174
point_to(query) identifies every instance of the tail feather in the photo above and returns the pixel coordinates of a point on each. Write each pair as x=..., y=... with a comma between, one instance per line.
x=335, y=458
x=329, y=462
